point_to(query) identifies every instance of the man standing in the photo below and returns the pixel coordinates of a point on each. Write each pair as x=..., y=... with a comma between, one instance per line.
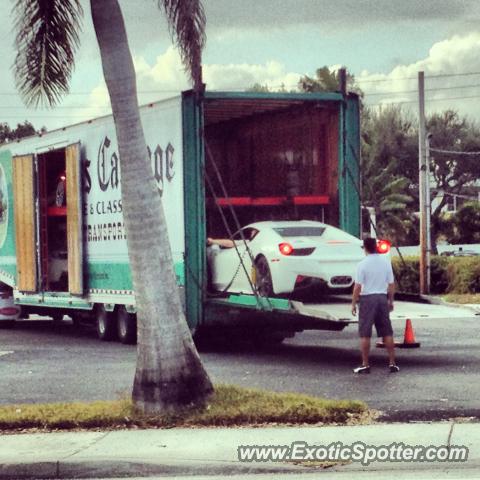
x=374, y=287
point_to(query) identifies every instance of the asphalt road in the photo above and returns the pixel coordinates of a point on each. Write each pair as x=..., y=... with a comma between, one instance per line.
x=439, y=380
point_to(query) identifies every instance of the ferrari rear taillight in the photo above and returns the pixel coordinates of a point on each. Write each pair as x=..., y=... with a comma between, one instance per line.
x=285, y=248
x=383, y=246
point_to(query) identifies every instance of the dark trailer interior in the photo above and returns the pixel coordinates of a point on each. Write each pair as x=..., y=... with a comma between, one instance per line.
x=276, y=156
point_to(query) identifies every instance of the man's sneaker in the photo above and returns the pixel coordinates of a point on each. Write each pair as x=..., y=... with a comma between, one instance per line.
x=361, y=369
x=394, y=368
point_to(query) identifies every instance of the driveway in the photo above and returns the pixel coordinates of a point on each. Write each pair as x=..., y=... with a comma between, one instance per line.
x=438, y=380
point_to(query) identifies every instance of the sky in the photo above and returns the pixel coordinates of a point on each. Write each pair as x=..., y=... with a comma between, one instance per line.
x=383, y=43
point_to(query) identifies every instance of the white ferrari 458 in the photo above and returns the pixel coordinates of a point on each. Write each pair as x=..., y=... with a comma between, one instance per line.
x=281, y=256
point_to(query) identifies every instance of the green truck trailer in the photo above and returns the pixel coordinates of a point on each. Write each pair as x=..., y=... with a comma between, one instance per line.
x=63, y=244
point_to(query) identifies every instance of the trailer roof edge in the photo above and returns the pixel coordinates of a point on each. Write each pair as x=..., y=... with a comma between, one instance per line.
x=317, y=96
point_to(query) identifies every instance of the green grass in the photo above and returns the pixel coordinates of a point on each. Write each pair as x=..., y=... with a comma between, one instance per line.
x=228, y=406
x=462, y=298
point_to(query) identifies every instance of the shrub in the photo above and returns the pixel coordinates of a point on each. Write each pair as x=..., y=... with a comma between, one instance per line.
x=447, y=274
x=464, y=275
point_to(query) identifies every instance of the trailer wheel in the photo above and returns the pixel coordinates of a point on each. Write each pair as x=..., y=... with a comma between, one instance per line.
x=75, y=320
x=7, y=324
x=105, y=323
x=126, y=326
x=263, y=277
x=57, y=320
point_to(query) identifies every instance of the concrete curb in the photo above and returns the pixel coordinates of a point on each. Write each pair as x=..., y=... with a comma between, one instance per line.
x=210, y=452
x=429, y=299
x=111, y=468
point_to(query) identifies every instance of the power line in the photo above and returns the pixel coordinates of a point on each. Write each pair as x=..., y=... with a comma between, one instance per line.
x=382, y=80
x=426, y=90
x=443, y=75
x=15, y=94
x=62, y=107
x=430, y=100
x=453, y=152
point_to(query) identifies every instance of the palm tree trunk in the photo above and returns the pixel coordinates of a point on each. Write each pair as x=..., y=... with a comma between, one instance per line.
x=169, y=372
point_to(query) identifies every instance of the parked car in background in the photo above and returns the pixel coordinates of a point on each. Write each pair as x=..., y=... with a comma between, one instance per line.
x=282, y=256
x=9, y=312
x=460, y=253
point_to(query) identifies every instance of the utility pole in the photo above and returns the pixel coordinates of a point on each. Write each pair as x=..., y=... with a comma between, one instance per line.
x=428, y=211
x=422, y=191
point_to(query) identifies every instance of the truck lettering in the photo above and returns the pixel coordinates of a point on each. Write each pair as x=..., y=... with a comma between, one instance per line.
x=157, y=166
x=87, y=180
x=108, y=172
x=170, y=172
x=104, y=232
x=108, y=167
x=108, y=207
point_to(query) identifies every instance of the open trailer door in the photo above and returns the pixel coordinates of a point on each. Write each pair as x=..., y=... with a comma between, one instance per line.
x=74, y=219
x=25, y=222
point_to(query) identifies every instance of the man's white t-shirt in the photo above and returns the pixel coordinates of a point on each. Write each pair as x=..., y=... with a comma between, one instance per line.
x=374, y=273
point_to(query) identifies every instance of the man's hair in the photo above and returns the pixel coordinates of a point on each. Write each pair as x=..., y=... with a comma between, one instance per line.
x=370, y=244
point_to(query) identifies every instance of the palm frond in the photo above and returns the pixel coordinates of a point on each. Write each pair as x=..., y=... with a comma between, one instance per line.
x=399, y=198
x=46, y=41
x=398, y=183
x=186, y=20
x=389, y=206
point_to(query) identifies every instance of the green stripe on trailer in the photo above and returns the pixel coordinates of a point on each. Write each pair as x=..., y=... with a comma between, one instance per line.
x=56, y=301
x=179, y=268
x=7, y=227
x=117, y=276
x=109, y=276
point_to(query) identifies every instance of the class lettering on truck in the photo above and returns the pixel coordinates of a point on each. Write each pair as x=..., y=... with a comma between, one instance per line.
x=63, y=248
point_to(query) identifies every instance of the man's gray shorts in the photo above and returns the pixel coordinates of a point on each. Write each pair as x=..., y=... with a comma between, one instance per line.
x=374, y=311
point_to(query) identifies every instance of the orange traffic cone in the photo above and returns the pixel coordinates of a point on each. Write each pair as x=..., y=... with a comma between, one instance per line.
x=408, y=338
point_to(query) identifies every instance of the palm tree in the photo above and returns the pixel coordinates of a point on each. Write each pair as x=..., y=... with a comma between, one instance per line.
x=169, y=372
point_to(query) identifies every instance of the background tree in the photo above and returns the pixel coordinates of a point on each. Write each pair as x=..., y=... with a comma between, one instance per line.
x=259, y=88
x=451, y=173
x=389, y=145
x=169, y=371
x=25, y=129
x=466, y=224
x=327, y=80
x=386, y=144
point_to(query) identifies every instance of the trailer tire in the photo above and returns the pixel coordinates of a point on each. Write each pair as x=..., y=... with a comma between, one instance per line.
x=126, y=326
x=75, y=320
x=263, y=277
x=104, y=323
x=57, y=320
x=6, y=324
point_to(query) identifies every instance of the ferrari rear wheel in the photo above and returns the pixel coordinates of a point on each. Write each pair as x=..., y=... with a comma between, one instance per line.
x=263, y=277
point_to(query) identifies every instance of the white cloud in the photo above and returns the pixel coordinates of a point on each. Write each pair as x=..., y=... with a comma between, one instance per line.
x=166, y=78
x=443, y=84
x=243, y=76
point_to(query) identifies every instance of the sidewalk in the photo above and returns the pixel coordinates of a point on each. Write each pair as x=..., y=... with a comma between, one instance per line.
x=213, y=451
